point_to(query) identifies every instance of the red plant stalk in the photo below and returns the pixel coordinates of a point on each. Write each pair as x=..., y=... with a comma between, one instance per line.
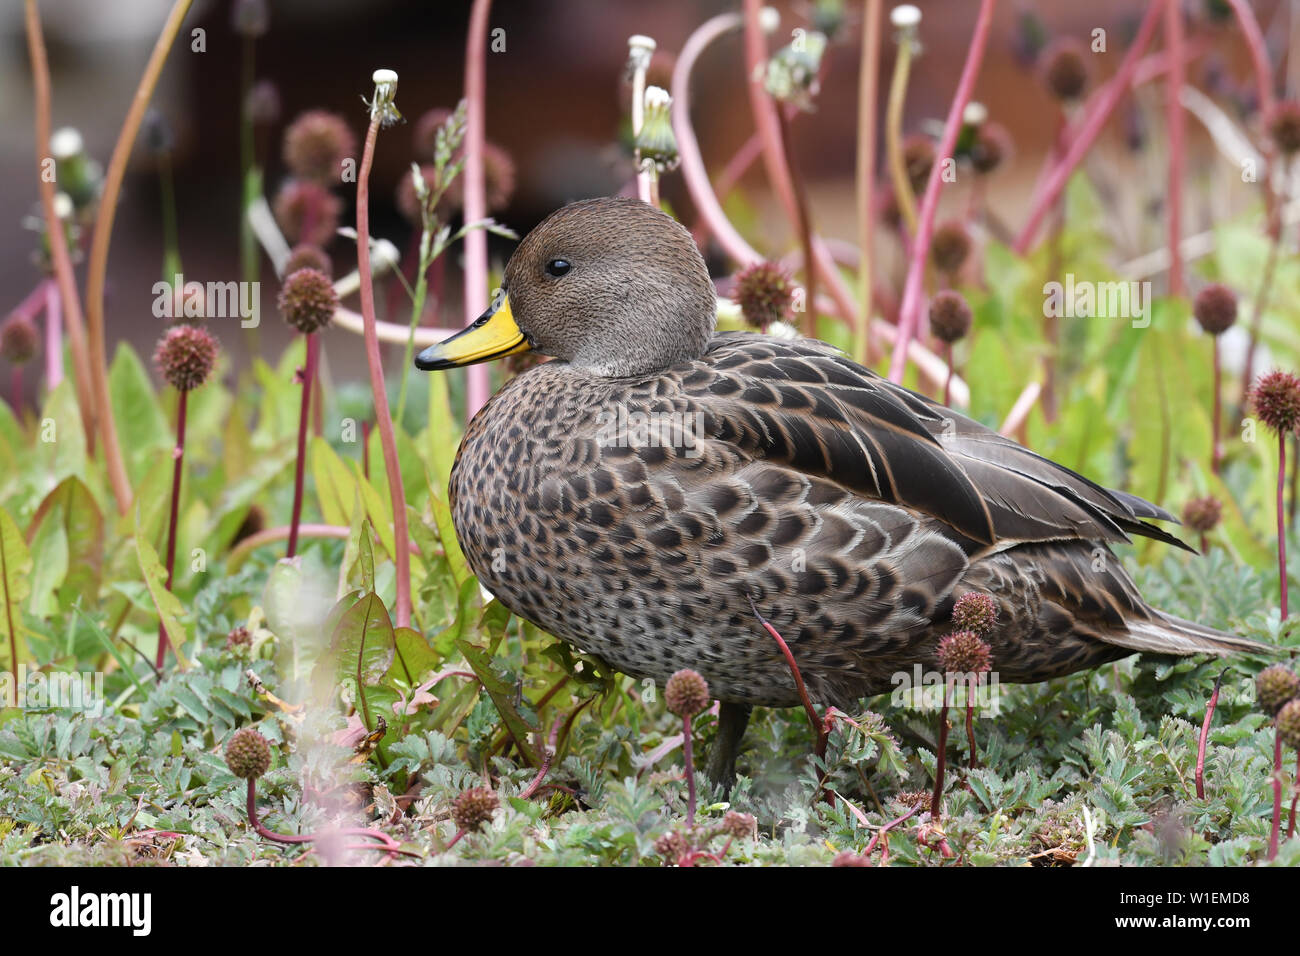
x=97, y=263
x=1203, y=741
x=1277, y=795
x=386, y=842
x=178, y=454
x=1216, y=431
x=818, y=725
x=767, y=122
x=476, y=257
x=308, y=375
x=1295, y=796
x=59, y=257
x=53, y=335
x=1263, y=68
x=693, y=170
x=947, y=382
x=970, y=726
x=885, y=829
x=910, y=310
x=863, y=345
x=936, y=798
x=384, y=419
x=1092, y=125
x=16, y=389
x=689, y=758
x=1281, y=517
x=805, y=228
x=1175, y=118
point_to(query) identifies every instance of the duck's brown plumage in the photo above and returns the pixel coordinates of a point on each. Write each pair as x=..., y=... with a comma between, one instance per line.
x=852, y=511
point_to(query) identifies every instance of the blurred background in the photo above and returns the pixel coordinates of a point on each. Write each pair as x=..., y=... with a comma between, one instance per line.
x=556, y=105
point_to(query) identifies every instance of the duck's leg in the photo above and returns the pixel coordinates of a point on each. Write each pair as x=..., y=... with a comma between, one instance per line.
x=732, y=720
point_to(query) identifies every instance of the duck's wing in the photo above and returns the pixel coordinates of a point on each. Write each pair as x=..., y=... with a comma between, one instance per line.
x=806, y=405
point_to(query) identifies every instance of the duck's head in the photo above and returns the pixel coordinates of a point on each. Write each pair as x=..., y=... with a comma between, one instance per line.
x=612, y=286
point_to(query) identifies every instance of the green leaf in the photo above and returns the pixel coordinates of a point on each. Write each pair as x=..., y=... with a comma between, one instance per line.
x=502, y=695
x=15, y=586
x=142, y=428
x=70, y=509
x=362, y=649
x=168, y=607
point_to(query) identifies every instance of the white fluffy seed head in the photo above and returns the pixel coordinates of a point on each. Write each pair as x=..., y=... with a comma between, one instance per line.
x=66, y=142
x=974, y=114
x=384, y=77
x=905, y=16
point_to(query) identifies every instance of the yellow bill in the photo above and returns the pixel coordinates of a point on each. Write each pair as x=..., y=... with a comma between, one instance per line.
x=493, y=335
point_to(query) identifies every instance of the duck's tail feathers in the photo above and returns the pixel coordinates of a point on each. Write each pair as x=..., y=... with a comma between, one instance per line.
x=1166, y=634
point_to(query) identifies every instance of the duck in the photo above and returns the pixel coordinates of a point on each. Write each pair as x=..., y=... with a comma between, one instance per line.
x=657, y=485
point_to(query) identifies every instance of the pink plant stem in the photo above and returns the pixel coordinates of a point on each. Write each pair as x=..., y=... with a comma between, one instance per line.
x=767, y=122
x=689, y=759
x=910, y=309
x=693, y=170
x=863, y=344
x=1175, y=118
x=383, y=416
x=1204, y=739
x=179, y=456
x=1295, y=796
x=59, y=257
x=16, y=389
x=940, y=753
x=476, y=262
x=53, y=335
x=1277, y=795
x=970, y=726
x=889, y=826
x=1091, y=127
x=1258, y=49
x=1216, y=453
x=818, y=726
x=547, y=757
x=308, y=375
x=1281, y=518
x=947, y=382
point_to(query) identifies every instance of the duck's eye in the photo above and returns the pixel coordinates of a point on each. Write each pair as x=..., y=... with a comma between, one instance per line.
x=558, y=267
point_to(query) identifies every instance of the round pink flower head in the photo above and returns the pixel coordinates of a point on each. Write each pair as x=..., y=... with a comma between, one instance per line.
x=185, y=356
x=315, y=145
x=308, y=300
x=975, y=611
x=950, y=316
x=1202, y=514
x=473, y=808
x=1275, y=685
x=307, y=212
x=963, y=652
x=686, y=693
x=248, y=755
x=1276, y=400
x=1065, y=68
x=1283, y=123
x=20, y=340
x=764, y=292
x=1215, y=308
x=949, y=247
